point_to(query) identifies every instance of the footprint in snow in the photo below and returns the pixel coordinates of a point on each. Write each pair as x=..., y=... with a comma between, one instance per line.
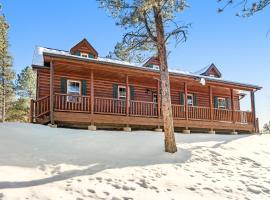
x=107, y=193
x=91, y=191
x=116, y=186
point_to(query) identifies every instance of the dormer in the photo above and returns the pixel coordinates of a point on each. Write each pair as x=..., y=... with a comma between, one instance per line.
x=84, y=49
x=152, y=63
x=211, y=71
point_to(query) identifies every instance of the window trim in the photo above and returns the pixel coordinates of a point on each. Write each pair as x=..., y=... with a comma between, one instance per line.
x=221, y=107
x=118, y=91
x=192, y=97
x=80, y=91
x=84, y=55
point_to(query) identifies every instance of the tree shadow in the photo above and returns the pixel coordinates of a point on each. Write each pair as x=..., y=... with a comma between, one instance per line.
x=94, y=151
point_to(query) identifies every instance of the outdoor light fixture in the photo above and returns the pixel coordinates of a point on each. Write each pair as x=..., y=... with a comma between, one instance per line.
x=202, y=81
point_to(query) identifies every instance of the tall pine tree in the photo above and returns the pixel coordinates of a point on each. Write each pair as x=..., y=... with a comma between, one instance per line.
x=25, y=91
x=149, y=25
x=6, y=73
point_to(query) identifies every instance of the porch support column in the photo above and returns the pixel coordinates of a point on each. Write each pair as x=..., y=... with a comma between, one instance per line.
x=127, y=128
x=158, y=129
x=211, y=107
x=252, y=96
x=127, y=96
x=92, y=97
x=232, y=106
x=158, y=97
x=186, y=108
x=51, y=92
x=92, y=127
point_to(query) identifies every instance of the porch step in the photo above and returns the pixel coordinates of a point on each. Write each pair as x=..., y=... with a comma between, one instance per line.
x=43, y=120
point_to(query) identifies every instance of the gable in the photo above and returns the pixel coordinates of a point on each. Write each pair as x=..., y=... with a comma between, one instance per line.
x=153, y=63
x=212, y=70
x=84, y=48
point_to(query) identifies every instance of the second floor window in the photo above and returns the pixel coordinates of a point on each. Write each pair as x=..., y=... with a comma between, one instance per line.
x=85, y=55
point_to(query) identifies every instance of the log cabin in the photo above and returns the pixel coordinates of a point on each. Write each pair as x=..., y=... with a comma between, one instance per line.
x=80, y=88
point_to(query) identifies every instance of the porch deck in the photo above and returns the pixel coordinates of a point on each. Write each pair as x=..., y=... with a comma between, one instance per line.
x=100, y=110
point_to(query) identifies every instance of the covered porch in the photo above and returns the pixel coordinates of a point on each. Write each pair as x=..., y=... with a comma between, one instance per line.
x=141, y=104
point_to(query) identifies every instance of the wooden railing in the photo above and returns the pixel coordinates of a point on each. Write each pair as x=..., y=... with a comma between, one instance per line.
x=109, y=106
x=39, y=108
x=243, y=117
x=202, y=113
x=75, y=103
x=222, y=115
x=141, y=108
x=178, y=111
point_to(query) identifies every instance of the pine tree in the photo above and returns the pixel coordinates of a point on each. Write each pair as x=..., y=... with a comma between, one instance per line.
x=26, y=83
x=25, y=91
x=266, y=128
x=249, y=7
x=149, y=25
x=6, y=73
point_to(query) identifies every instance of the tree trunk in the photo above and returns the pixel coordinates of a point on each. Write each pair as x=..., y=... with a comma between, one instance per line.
x=170, y=145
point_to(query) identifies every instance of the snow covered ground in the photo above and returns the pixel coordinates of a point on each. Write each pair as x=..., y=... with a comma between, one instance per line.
x=38, y=162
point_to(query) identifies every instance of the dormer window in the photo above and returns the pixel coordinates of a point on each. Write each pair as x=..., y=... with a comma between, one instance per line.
x=84, y=49
x=85, y=55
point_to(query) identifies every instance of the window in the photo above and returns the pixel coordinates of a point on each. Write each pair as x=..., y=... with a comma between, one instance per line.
x=222, y=103
x=121, y=92
x=73, y=88
x=155, y=98
x=85, y=55
x=190, y=99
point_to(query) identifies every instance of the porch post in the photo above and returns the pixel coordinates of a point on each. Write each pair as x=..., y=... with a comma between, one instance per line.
x=92, y=97
x=186, y=104
x=232, y=105
x=252, y=96
x=186, y=130
x=211, y=107
x=158, y=97
x=51, y=92
x=127, y=96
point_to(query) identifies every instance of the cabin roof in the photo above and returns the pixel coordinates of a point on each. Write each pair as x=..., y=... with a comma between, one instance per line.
x=38, y=61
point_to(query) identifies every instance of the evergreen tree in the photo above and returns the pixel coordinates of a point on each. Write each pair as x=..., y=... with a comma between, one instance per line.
x=249, y=7
x=6, y=73
x=25, y=90
x=26, y=83
x=266, y=128
x=149, y=25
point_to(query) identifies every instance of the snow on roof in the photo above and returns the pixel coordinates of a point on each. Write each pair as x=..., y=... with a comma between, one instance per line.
x=202, y=70
x=38, y=60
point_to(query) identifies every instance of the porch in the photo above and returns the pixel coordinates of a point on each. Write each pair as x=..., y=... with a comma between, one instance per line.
x=140, y=103
x=138, y=113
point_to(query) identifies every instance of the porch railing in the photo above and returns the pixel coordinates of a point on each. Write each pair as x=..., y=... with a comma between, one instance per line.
x=141, y=108
x=39, y=108
x=109, y=106
x=76, y=103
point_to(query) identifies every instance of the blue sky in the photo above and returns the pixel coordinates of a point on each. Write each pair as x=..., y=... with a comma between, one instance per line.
x=238, y=46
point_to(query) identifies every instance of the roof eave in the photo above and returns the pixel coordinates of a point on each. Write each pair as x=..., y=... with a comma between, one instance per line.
x=153, y=70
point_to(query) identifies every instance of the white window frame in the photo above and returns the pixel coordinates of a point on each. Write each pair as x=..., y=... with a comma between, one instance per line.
x=72, y=98
x=192, y=98
x=84, y=55
x=223, y=99
x=119, y=96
